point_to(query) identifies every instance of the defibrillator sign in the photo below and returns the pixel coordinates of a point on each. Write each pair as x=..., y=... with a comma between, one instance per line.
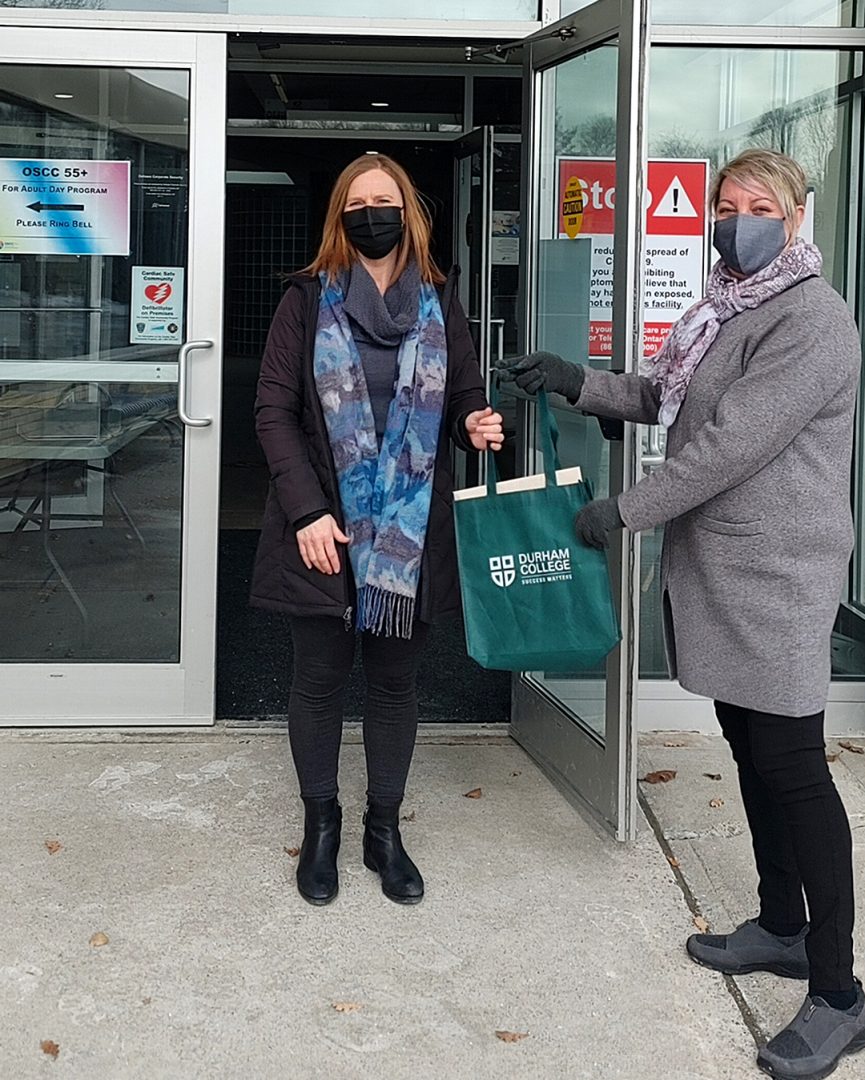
x=156, y=311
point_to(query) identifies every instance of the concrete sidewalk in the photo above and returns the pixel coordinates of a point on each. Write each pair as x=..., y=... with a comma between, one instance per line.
x=174, y=848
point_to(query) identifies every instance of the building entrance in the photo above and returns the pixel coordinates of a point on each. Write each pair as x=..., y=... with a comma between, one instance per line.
x=291, y=131
x=272, y=228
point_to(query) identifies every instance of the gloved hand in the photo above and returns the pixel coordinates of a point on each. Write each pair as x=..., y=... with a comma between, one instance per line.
x=595, y=522
x=545, y=369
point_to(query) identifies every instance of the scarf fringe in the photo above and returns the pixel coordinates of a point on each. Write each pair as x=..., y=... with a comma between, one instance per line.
x=383, y=612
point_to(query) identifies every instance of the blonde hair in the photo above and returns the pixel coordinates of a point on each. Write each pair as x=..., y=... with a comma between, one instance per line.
x=769, y=169
x=337, y=253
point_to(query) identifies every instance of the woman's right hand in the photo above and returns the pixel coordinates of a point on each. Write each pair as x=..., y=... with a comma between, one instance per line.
x=317, y=543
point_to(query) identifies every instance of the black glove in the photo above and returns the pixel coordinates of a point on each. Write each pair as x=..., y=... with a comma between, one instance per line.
x=595, y=522
x=545, y=369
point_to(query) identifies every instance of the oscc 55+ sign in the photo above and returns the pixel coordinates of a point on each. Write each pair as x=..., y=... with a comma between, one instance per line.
x=64, y=207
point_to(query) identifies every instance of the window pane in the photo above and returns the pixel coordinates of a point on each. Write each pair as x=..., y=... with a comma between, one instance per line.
x=483, y=10
x=759, y=12
x=840, y=13
x=93, y=225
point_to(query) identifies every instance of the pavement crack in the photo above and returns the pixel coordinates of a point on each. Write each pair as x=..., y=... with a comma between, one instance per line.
x=751, y=1022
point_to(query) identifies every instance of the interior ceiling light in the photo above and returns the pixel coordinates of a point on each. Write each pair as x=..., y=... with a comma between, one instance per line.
x=65, y=97
x=372, y=151
x=380, y=104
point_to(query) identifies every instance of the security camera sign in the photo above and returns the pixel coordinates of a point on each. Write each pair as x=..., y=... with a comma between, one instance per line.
x=58, y=206
x=675, y=242
x=156, y=312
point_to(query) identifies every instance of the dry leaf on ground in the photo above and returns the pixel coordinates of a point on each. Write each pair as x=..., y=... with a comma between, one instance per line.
x=409, y=817
x=712, y=775
x=674, y=745
x=701, y=924
x=347, y=1006
x=146, y=1001
x=852, y=747
x=475, y=793
x=673, y=861
x=48, y=1046
x=99, y=939
x=661, y=776
x=292, y=851
x=833, y=756
x=511, y=1036
x=53, y=846
x=716, y=803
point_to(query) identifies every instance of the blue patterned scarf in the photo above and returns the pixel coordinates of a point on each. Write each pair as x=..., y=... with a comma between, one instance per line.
x=385, y=494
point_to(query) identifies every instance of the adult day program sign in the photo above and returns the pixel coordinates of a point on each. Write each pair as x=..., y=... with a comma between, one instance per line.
x=675, y=241
x=64, y=207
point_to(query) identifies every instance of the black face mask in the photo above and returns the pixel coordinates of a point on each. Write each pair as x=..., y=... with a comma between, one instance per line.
x=374, y=230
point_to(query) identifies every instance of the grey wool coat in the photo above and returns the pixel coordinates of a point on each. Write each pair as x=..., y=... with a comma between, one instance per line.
x=755, y=496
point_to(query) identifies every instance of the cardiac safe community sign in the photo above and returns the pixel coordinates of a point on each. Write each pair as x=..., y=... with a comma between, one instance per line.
x=156, y=313
x=675, y=240
x=64, y=207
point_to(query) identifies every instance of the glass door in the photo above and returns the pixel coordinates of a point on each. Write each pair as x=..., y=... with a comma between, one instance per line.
x=473, y=199
x=581, y=300
x=111, y=194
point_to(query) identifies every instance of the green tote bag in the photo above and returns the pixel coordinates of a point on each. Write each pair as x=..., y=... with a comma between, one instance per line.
x=535, y=597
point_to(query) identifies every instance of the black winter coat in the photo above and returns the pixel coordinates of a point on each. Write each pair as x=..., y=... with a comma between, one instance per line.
x=291, y=428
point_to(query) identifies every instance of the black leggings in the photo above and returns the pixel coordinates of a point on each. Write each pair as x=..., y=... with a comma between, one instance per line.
x=801, y=835
x=323, y=659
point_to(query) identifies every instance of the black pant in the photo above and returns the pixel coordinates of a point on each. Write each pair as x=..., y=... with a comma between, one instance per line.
x=801, y=835
x=323, y=659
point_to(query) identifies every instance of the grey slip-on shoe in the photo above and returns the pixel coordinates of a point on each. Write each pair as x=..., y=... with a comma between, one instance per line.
x=751, y=948
x=811, y=1046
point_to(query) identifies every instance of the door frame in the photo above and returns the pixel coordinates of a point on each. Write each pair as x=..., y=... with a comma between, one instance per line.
x=155, y=694
x=599, y=775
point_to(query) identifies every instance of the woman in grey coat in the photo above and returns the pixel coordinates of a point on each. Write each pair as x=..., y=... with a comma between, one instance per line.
x=756, y=386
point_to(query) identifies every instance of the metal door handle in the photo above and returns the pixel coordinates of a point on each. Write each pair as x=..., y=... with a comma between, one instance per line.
x=182, y=379
x=655, y=455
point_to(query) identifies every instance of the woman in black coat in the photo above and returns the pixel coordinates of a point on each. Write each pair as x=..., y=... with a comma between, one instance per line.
x=368, y=376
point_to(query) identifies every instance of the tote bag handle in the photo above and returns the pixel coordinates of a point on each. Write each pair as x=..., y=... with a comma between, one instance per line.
x=549, y=430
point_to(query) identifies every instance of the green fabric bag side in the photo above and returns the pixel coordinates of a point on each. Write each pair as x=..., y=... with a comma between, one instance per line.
x=534, y=596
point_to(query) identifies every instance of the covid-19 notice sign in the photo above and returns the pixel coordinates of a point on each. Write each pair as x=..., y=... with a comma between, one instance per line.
x=675, y=240
x=58, y=206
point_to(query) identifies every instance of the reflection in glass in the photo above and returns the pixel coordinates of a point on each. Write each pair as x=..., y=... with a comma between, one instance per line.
x=838, y=13
x=760, y=12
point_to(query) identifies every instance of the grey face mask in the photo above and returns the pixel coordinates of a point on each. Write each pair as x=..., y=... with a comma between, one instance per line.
x=747, y=243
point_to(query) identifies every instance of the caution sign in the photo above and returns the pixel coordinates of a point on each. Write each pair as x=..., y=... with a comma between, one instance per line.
x=676, y=241
x=64, y=207
x=572, y=208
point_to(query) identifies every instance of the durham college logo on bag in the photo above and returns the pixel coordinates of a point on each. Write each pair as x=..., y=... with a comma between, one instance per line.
x=533, y=567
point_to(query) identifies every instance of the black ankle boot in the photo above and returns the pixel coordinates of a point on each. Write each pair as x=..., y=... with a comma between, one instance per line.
x=317, y=880
x=383, y=852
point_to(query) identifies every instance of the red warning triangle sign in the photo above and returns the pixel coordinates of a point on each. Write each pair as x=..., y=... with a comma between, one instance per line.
x=675, y=202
